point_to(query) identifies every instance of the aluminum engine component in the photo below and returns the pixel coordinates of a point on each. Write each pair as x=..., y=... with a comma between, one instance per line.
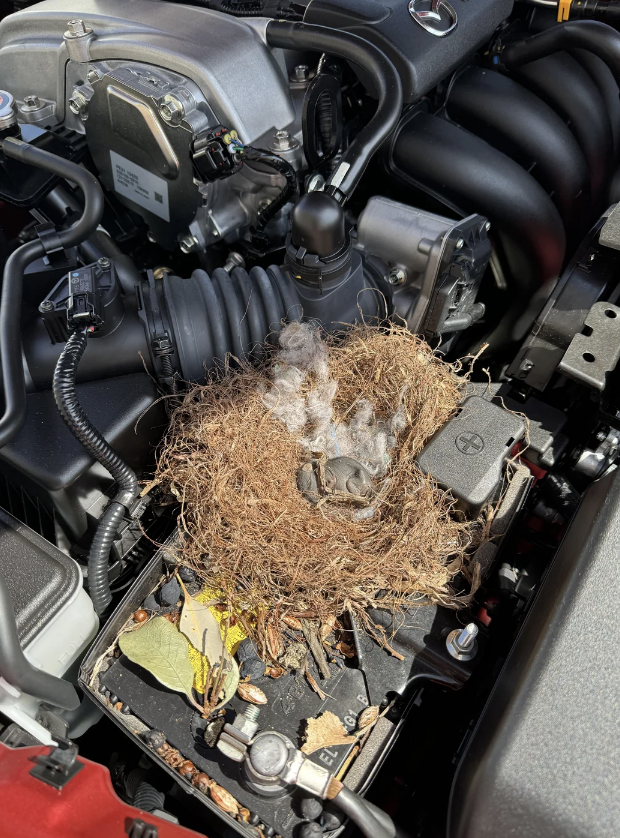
x=145, y=83
x=435, y=263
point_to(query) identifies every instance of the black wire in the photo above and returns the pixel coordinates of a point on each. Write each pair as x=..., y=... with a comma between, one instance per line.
x=281, y=166
x=94, y=442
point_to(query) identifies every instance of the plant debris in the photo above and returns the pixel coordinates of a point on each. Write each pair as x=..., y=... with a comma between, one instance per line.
x=326, y=731
x=232, y=454
x=367, y=717
x=252, y=694
x=161, y=649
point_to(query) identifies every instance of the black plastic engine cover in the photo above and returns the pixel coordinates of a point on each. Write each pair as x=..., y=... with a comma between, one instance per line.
x=543, y=760
x=423, y=59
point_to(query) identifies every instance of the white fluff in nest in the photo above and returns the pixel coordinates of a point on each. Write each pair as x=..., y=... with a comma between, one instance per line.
x=302, y=352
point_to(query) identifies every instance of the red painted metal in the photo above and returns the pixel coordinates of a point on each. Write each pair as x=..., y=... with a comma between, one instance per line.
x=87, y=807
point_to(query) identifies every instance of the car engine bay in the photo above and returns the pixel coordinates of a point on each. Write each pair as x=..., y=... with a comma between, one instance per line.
x=203, y=204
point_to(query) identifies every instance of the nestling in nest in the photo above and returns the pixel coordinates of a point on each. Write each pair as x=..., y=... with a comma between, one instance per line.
x=233, y=452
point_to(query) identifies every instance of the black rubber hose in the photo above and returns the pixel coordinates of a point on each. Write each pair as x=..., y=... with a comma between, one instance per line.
x=214, y=316
x=147, y=797
x=11, y=300
x=385, y=80
x=598, y=38
x=96, y=445
x=369, y=820
x=17, y=670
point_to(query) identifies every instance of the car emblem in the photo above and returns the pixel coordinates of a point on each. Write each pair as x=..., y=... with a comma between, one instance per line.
x=440, y=19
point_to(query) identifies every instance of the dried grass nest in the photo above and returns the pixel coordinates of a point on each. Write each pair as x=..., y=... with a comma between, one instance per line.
x=231, y=457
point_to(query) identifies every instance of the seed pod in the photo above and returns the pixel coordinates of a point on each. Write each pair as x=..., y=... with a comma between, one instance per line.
x=292, y=623
x=202, y=782
x=224, y=799
x=172, y=617
x=154, y=739
x=174, y=758
x=367, y=717
x=251, y=693
x=275, y=672
x=118, y=706
x=187, y=769
x=140, y=616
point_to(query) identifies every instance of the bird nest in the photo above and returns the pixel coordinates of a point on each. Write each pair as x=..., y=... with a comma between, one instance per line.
x=232, y=458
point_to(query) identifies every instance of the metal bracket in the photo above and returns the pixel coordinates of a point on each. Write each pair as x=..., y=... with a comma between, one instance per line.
x=59, y=766
x=595, y=351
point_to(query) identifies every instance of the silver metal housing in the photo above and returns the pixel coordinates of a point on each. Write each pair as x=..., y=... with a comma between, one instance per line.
x=224, y=56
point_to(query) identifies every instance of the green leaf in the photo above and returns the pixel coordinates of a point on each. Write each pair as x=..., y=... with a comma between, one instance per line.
x=161, y=649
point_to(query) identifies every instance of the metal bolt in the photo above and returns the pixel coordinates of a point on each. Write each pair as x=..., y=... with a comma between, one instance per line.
x=601, y=436
x=460, y=243
x=46, y=305
x=33, y=103
x=283, y=141
x=300, y=73
x=316, y=183
x=93, y=75
x=78, y=104
x=188, y=243
x=462, y=643
x=487, y=226
x=234, y=260
x=151, y=237
x=397, y=276
x=252, y=712
x=104, y=263
x=171, y=109
x=76, y=28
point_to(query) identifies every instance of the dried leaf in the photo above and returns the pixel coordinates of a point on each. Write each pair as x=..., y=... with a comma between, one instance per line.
x=325, y=731
x=202, y=630
x=162, y=650
x=367, y=717
x=347, y=650
x=251, y=693
x=230, y=683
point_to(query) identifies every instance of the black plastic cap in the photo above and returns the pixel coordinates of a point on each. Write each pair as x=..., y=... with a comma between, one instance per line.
x=318, y=224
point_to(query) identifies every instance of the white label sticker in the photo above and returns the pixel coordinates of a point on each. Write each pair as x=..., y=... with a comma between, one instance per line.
x=140, y=186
